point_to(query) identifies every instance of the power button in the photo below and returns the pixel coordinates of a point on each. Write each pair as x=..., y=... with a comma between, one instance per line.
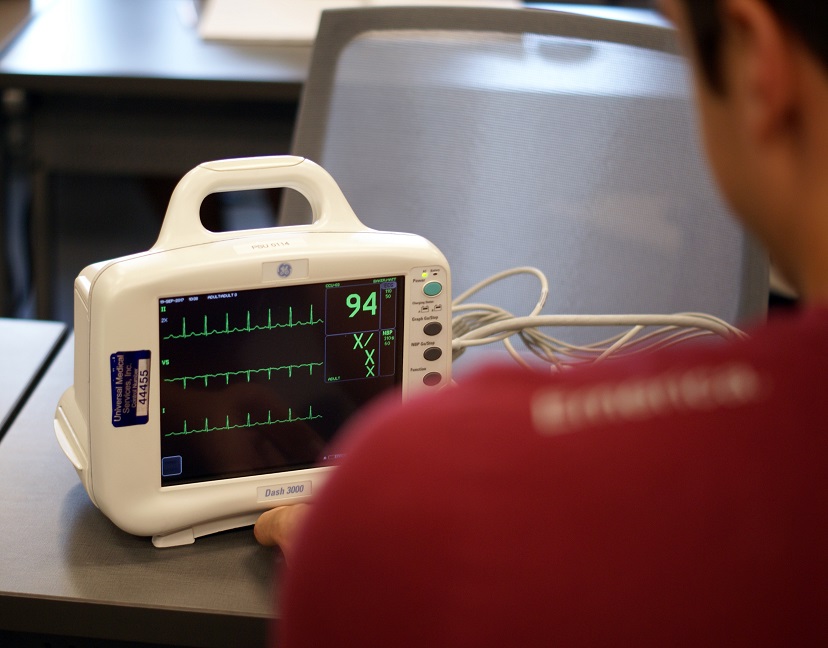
x=433, y=288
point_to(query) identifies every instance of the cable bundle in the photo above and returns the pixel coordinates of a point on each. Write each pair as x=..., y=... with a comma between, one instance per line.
x=479, y=324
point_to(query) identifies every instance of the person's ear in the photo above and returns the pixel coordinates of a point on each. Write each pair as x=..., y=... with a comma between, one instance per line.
x=760, y=61
x=666, y=9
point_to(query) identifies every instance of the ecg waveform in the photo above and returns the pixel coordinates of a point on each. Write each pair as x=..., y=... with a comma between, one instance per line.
x=248, y=424
x=206, y=331
x=245, y=372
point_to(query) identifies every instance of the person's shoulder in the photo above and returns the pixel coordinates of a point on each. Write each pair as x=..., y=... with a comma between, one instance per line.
x=692, y=383
x=694, y=452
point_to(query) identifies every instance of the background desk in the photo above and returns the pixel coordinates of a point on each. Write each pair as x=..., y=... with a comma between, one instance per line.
x=26, y=349
x=66, y=570
x=127, y=87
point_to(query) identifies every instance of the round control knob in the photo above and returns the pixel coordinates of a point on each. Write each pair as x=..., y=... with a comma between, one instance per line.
x=432, y=379
x=432, y=328
x=432, y=353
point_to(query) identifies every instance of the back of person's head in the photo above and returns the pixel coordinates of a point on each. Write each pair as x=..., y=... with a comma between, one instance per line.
x=807, y=19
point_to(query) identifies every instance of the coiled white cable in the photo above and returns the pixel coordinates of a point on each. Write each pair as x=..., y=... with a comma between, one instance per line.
x=481, y=324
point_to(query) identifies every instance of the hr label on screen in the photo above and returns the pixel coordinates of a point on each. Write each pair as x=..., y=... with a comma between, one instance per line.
x=282, y=491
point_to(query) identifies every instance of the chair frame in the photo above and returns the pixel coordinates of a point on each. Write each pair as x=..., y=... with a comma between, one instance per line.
x=340, y=27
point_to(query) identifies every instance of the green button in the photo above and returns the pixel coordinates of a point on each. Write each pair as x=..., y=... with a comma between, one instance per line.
x=433, y=288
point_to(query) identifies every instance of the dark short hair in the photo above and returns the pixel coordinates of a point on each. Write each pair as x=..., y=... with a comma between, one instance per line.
x=808, y=19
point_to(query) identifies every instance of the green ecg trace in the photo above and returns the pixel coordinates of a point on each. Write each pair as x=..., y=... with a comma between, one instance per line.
x=247, y=424
x=246, y=372
x=206, y=331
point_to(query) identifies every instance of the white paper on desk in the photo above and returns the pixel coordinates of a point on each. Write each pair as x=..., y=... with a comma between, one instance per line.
x=292, y=22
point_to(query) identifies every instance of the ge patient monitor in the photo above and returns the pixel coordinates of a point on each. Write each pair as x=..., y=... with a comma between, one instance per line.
x=213, y=370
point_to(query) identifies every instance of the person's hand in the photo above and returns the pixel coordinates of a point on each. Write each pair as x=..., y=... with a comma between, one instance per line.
x=278, y=526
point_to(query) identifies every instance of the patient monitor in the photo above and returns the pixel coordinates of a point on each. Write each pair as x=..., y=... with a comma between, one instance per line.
x=213, y=370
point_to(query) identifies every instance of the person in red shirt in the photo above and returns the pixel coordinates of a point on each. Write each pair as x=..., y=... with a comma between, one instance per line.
x=675, y=499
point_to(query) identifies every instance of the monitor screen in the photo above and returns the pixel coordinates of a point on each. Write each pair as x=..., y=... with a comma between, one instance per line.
x=259, y=381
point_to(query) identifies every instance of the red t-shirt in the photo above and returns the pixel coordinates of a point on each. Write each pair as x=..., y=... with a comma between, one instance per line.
x=675, y=499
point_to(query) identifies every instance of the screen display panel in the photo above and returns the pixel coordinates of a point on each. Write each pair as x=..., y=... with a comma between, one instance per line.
x=259, y=381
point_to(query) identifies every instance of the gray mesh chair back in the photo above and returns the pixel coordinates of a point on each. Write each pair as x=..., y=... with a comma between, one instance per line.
x=529, y=137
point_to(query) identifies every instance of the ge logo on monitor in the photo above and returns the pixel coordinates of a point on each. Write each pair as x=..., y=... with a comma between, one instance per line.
x=284, y=270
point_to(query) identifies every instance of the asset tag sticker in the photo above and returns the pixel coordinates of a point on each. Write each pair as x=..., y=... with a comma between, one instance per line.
x=130, y=381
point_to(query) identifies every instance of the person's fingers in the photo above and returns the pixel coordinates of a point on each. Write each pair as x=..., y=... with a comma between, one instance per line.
x=278, y=526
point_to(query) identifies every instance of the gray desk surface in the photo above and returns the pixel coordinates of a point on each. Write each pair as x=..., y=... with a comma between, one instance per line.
x=26, y=348
x=119, y=86
x=124, y=46
x=66, y=570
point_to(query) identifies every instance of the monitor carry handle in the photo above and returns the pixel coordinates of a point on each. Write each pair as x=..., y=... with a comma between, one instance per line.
x=182, y=225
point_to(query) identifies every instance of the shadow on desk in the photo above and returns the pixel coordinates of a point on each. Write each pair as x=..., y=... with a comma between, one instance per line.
x=92, y=545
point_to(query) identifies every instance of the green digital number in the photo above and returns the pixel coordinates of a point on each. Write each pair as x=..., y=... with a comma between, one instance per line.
x=354, y=301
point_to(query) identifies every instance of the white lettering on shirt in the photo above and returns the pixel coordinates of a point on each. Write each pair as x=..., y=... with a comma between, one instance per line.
x=560, y=411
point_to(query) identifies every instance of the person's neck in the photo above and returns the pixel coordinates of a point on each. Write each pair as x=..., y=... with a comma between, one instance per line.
x=806, y=256
x=800, y=229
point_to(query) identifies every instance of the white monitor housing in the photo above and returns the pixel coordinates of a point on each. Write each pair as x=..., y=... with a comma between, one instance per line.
x=213, y=370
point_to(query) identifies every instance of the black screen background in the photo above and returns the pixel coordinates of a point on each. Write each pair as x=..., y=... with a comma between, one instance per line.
x=260, y=381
